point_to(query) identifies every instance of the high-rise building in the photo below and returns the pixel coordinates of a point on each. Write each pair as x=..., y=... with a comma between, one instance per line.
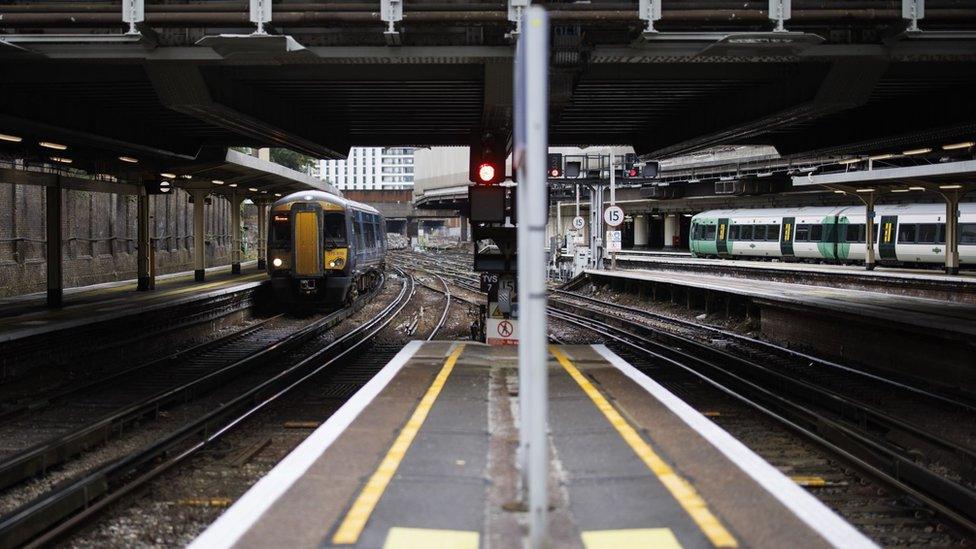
x=370, y=168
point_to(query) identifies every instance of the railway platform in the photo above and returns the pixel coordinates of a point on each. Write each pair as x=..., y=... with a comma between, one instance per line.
x=424, y=455
x=889, y=280
x=28, y=315
x=894, y=333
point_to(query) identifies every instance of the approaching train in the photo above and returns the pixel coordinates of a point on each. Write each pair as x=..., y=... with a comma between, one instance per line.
x=905, y=234
x=323, y=248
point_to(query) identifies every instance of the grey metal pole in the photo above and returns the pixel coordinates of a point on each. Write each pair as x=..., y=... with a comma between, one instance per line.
x=533, y=217
x=613, y=202
x=199, y=257
x=55, y=277
x=869, y=238
x=144, y=282
x=952, y=232
x=235, y=237
x=262, y=234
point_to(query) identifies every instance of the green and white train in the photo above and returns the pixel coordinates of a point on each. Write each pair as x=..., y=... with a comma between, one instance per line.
x=905, y=233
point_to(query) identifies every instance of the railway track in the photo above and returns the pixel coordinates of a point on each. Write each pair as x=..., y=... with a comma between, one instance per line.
x=880, y=427
x=289, y=365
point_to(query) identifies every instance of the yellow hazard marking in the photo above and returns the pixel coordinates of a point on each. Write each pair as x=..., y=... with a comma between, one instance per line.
x=680, y=489
x=803, y=480
x=425, y=538
x=659, y=538
x=355, y=520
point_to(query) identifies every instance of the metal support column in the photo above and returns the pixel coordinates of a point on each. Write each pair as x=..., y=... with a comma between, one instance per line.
x=952, y=231
x=869, y=238
x=596, y=226
x=199, y=236
x=235, y=233
x=143, y=270
x=640, y=230
x=262, y=234
x=55, y=278
x=532, y=142
x=672, y=231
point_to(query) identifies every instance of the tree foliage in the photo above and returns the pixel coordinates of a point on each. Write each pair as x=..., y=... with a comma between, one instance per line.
x=291, y=159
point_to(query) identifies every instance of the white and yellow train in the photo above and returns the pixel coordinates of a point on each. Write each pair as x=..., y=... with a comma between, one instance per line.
x=323, y=248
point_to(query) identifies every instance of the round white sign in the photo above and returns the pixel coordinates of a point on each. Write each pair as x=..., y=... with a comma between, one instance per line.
x=613, y=216
x=579, y=222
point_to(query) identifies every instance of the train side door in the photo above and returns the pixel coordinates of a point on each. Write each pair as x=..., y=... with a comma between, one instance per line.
x=889, y=235
x=786, y=237
x=722, y=236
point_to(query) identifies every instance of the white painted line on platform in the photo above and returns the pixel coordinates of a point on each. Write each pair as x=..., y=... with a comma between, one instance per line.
x=246, y=511
x=834, y=529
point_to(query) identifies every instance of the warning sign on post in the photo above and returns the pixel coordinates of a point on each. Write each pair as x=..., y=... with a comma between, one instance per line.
x=502, y=331
x=614, y=241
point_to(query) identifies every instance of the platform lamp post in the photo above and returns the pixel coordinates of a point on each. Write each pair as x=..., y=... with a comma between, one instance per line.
x=529, y=158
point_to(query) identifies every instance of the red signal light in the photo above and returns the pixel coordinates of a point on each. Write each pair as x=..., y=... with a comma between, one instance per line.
x=486, y=172
x=554, y=172
x=633, y=172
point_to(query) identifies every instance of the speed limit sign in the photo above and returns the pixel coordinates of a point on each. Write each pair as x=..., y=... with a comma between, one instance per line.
x=613, y=216
x=578, y=222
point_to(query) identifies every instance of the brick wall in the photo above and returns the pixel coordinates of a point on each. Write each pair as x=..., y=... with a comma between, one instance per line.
x=99, y=233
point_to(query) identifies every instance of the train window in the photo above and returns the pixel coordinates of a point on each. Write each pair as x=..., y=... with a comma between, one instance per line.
x=280, y=230
x=709, y=232
x=745, y=232
x=941, y=237
x=967, y=233
x=816, y=233
x=927, y=233
x=734, y=232
x=772, y=233
x=855, y=233
x=334, y=230
x=370, y=235
x=906, y=232
x=802, y=233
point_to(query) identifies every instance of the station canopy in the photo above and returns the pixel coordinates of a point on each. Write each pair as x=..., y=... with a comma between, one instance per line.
x=948, y=176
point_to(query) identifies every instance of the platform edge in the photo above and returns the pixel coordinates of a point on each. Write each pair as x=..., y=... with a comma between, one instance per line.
x=248, y=509
x=811, y=511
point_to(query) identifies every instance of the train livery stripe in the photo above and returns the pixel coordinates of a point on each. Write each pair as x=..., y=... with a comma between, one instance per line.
x=804, y=505
x=355, y=520
x=681, y=490
x=247, y=510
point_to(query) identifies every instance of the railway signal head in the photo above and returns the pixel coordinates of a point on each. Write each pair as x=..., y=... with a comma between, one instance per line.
x=486, y=173
x=554, y=162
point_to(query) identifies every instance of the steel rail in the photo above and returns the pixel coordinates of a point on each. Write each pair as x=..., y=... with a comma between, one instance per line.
x=791, y=353
x=953, y=500
x=52, y=515
x=447, y=308
x=39, y=402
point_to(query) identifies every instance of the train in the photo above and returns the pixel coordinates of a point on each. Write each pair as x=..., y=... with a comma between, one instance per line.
x=324, y=249
x=906, y=234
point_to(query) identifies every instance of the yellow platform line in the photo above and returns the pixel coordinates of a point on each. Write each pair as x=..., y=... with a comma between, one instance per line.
x=680, y=489
x=355, y=520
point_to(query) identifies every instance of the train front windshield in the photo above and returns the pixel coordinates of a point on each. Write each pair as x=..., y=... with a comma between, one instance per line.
x=334, y=231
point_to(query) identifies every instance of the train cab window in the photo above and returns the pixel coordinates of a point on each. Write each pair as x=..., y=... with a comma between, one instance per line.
x=334, y=230
x=816, y=233
x=906, y=232
x=734, y=232
x=927, y=233
x=709, y=232
x=967, y=233
x=280, y=232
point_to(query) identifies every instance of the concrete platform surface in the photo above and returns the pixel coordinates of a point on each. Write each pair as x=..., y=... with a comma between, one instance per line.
x=28, y=315
x=424, y=455
x=966, y=277
x=943, y=317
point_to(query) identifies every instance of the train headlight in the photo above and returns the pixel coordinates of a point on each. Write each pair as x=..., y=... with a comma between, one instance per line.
x=276, y=262
x=336, y=263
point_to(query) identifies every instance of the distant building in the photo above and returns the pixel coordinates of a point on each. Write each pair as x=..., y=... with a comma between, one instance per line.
x=370, y=169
